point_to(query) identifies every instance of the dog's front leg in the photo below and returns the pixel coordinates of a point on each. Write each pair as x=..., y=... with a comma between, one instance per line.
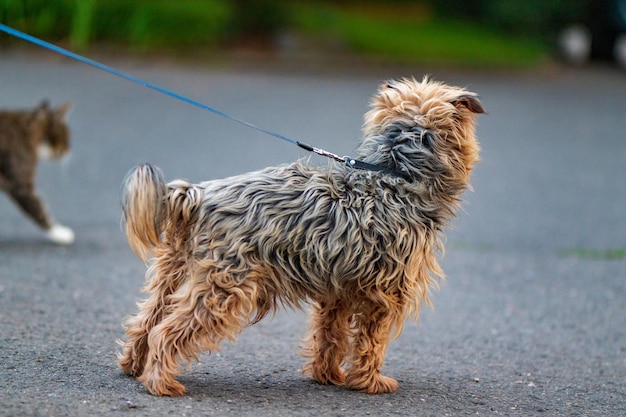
x=327, y=342
x=373, y=327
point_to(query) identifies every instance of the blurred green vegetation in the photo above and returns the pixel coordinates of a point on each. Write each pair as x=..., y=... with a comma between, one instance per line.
x=537, y=18
x=470, y=32
x=148, y=24
x=414, y=34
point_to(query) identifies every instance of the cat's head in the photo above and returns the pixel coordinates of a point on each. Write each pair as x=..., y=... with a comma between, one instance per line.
x=56, y=139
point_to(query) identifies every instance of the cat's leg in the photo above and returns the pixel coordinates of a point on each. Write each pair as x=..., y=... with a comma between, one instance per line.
x=27, y=199
x=60, y=234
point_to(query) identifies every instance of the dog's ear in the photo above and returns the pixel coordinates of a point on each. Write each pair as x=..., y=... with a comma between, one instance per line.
x=470, y=102
x=387, y=84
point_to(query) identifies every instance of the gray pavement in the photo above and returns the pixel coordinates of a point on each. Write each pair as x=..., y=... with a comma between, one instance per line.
x=531, y=319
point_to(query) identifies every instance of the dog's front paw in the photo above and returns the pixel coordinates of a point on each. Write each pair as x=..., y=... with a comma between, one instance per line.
x=325, y=376
x=377, y=384
x=60, y=234
x=162, y=386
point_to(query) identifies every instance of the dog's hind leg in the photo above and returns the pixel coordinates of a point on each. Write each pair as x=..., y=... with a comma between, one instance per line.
x=202, y=316
x=163, y=278
x=132, y=358
x=374, y=328
x=327, y=342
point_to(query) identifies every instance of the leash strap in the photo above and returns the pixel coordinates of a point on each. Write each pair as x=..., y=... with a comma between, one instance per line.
x=349, y=161
x=136, y=80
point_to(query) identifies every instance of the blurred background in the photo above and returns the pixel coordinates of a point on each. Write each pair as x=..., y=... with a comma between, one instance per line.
x=501, y=33
x=531, y=319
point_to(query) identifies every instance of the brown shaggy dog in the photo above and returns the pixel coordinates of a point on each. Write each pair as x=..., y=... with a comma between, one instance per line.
x=359, y=245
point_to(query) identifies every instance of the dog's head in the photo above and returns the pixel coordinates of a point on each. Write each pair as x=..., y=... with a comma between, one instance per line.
x=423, y=130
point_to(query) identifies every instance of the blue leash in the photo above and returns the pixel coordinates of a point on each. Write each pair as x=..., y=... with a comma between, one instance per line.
x=136, y=80
x=355, y=163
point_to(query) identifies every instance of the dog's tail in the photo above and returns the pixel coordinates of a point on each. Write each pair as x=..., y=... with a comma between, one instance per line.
x=144, y=205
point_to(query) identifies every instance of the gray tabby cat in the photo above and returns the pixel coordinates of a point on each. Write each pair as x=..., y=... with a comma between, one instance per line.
x=25, y=136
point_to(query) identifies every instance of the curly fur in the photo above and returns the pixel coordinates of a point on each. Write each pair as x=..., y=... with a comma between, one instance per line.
x=360, y=246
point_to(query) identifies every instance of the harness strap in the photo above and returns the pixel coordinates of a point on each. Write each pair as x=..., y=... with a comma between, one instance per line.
x=355, y=163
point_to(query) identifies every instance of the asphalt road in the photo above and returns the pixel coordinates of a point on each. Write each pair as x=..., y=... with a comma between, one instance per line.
x=531, y=319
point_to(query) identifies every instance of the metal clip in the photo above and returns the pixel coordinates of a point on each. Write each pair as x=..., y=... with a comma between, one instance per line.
x=327, y=154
